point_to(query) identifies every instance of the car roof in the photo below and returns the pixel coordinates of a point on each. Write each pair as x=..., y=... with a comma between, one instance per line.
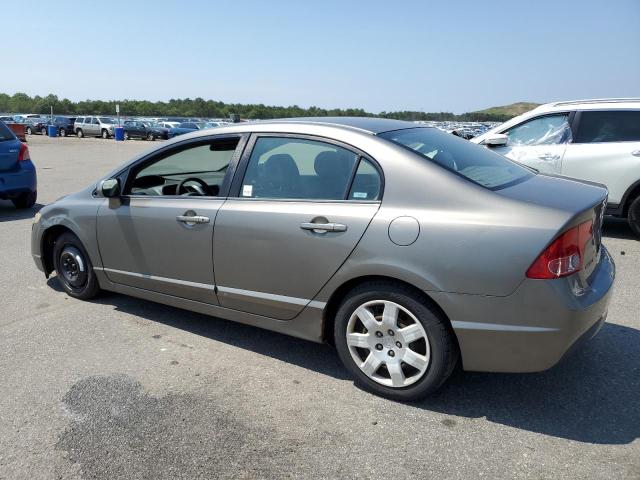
x=370, y=125
x=593, y=104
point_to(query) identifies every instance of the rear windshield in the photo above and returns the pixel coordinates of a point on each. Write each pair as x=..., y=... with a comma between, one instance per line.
x=5, y=132
x=107, y=120
x=476, y=163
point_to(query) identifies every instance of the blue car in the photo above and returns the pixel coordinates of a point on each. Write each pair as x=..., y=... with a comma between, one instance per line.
x=17, y=173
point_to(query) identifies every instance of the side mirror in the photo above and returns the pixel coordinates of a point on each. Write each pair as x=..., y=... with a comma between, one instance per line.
x=496, y=140
x=110, y=188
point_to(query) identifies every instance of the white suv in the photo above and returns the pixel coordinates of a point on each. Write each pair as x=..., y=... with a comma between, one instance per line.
x=596, y=140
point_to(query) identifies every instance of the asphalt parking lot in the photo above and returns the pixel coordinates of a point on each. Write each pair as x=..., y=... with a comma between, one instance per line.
x=124, y=388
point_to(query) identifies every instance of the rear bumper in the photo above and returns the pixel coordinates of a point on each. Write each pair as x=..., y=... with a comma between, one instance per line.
x=21, y=179
x=532, y=329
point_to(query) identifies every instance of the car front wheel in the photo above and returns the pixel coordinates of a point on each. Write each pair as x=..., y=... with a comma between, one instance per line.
x=80, y=133
x=29, y=131
x=393, y=342
x=63, y=132
x=73, y=267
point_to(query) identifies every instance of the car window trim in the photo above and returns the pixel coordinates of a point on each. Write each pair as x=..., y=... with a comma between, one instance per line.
x=126, y=174
x=236, y=185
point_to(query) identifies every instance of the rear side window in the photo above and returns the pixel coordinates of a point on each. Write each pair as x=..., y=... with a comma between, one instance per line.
x=296, y=168
x=471, y=161
x=5, y=132
x=613, y=126
x=546, y=130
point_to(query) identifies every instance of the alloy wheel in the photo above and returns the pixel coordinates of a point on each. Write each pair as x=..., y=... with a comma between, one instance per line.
x=388, y=343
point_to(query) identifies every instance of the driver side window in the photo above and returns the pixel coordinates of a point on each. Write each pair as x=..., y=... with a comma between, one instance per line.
x=546, y=130
x=197, y=170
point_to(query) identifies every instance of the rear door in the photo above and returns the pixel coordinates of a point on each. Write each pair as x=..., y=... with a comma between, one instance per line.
x=9, y=148
x=606, y=149
x=294, y=219
x=539, y=142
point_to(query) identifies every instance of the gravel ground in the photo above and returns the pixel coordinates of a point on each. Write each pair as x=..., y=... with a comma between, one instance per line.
x=123, y=388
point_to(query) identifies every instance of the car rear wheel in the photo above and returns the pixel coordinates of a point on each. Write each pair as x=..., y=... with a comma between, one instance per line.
x=28, y=131
x=63, y=132
x=73, y=267
x=126, y=136
x=25, y=200
x=151, y=137
x=79, y=133
x=633, y=216
x=393, y=342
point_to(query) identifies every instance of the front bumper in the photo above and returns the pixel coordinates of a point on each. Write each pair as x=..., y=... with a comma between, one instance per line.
x=19, y=180
x=533, y=328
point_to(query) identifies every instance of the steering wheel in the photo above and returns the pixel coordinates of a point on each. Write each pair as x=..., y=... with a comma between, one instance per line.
x=204, y=190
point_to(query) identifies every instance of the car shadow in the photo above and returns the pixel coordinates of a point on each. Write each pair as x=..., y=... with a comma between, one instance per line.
x=8, y=212
x=592, y=396
x=617, y=228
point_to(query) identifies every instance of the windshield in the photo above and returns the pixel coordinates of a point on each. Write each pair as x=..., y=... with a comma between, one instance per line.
x=107, y=120
x=462, y=157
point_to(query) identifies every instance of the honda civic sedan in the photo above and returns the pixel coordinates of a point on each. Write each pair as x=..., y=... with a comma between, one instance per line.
x=409, y=249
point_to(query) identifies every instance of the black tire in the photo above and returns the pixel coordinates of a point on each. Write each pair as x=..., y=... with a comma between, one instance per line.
x=63, y=132
x=25, y=200
x=28, y=131
x=73, y=267
x=633, y=216
x=105, y=134
x=79, y=133
x=127, y=136
x=442, y=347
x=151, y=137
x=44, y=131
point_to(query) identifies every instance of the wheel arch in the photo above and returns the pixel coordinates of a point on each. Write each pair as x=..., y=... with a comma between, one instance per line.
x=48, y=241
x=339, y=294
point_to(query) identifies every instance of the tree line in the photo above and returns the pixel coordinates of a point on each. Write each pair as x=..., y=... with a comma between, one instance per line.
x=198, y=107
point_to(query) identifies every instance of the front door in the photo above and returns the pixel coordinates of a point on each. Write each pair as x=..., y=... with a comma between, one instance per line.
x=539, y=143
x=298, y=215
x=158, y=235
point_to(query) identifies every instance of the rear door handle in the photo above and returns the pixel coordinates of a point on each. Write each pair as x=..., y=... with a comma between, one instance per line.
x=192, y=219
x=325, y=227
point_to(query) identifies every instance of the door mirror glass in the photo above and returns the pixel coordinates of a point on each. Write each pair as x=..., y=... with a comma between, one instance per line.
x=110, y=188
x=496, y=140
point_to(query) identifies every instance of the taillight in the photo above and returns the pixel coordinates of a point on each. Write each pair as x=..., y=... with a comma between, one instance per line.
x=565, y=255
x=24, y=153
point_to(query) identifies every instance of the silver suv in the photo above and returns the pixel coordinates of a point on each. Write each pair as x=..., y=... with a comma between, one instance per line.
x=94, y=127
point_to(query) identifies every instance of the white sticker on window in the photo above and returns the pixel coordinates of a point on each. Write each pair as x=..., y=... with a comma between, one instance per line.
x=247, y=190
x=359, y=194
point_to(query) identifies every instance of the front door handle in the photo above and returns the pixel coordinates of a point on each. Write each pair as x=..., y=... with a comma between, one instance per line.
x=548, y=156
x=323, y=227
x=192, y=219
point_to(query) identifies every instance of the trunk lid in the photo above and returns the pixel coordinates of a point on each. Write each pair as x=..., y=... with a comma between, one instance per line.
x=582, y=201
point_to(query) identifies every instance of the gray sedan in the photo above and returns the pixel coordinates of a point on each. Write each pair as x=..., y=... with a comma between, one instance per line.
x=413, y=251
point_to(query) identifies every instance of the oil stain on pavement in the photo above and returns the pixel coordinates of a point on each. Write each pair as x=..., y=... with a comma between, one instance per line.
x=120, y=431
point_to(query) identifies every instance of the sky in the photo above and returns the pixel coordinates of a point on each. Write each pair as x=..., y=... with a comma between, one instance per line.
x=378, y=55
